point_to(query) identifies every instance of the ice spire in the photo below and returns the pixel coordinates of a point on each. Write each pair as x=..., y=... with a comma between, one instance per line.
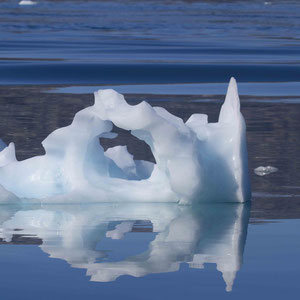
x=231, y=108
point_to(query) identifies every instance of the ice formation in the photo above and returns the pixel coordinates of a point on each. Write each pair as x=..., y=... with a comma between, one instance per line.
x=196, y=161
x=262, y=171
x=27, y=2
x=207, y=233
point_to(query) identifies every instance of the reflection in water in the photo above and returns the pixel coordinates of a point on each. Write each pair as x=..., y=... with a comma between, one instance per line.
x=208, y=233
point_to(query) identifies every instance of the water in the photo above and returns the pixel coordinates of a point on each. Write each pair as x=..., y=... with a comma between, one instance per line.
x=66, y=252
x=149, y=41
x=285, y=91
x=175, y=54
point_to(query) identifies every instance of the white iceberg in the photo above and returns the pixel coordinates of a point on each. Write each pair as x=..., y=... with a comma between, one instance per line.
x=27, y=2
x=207, y=233
x=196, y=161
x=262, y=171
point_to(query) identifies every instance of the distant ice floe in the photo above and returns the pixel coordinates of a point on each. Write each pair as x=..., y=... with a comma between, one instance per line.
x=196, y=161
x=205, y=233
x=262, y=171
x=27, y=2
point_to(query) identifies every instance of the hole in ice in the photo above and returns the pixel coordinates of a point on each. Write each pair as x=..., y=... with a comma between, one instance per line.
x=130, y=157
x=139, y=149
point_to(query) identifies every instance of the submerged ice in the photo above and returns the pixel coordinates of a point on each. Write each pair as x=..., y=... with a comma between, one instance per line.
x=196, y=161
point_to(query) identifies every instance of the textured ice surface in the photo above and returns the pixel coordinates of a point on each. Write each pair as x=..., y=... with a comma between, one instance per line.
x=262, y=171
x=207, y=233
x=196, y=161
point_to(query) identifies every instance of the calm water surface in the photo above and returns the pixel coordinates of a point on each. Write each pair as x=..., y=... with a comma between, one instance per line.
x=116, y=251
x=179, y=55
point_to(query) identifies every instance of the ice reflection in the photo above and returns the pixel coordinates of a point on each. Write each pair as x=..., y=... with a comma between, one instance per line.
x=208, y=233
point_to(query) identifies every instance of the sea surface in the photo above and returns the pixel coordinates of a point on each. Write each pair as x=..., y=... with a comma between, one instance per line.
x=179, y=55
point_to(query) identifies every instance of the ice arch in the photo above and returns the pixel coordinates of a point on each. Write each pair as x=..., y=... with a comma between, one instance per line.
x=196, y=161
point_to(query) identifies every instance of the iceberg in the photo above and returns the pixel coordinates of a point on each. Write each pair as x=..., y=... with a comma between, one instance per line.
x=195, y=161
x=194, y=235
x=27, y=2
x=262, y=171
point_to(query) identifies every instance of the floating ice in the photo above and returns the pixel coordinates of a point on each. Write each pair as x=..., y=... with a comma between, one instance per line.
x=207, y=233
x=196, y=161
x=27, y=2
x=262, y=171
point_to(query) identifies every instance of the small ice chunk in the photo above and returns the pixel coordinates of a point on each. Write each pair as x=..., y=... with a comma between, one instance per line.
x=123, y=159
x=262, y=171
x=27, y=2
x=123, y=165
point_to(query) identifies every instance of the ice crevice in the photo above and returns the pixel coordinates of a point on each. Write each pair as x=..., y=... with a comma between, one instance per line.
x=196, y=161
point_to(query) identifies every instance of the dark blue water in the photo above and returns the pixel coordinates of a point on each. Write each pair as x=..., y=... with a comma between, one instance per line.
x=83, y=73
x=173, y=252
x=149, y=41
